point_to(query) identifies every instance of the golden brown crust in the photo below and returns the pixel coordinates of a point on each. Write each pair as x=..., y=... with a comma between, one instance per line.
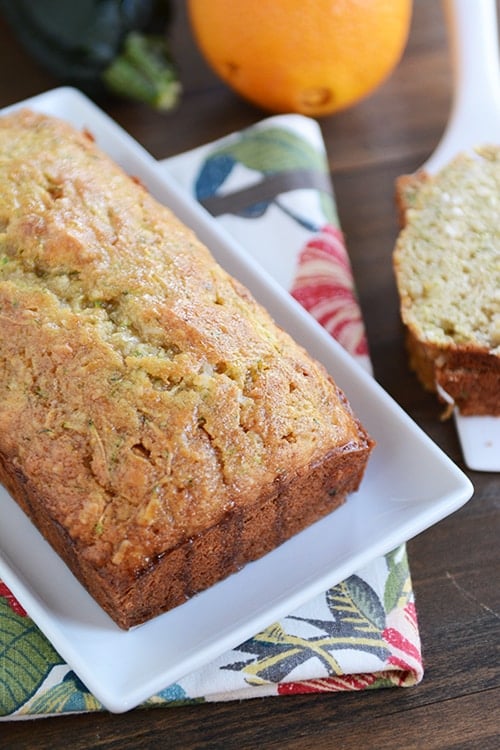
x=440, y=228
x=407, y=186
x=469, y=378
x=155, y=424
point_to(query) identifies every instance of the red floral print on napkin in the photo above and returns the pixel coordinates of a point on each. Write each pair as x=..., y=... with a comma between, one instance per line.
x=324, y=286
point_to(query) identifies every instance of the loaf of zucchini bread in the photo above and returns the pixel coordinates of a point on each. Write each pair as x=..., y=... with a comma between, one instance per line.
x=159, y=429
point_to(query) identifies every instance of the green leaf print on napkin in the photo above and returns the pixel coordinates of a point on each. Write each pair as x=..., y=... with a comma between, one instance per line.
x=274, y=150
x=67, y=696
x=26, y=658
x=285, y=160
x=277, y=653
x=398, y=587
x=359, y=619
x=357, y=607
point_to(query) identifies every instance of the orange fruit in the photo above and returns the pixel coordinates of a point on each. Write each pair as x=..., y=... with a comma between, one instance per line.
x=308, y=56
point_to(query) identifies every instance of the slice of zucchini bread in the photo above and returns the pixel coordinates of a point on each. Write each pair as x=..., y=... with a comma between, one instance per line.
x=447, y=267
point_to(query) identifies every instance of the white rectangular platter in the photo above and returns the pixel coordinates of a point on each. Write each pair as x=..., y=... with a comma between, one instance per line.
x=410, y=485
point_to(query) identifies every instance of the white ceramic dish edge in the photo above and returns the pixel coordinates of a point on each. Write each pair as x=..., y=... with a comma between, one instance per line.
x=398, y=499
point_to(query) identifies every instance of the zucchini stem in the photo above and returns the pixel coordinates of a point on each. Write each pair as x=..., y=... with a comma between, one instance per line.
x=143, y=71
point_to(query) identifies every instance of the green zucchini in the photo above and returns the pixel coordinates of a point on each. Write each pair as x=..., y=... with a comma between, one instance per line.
x=119, y=46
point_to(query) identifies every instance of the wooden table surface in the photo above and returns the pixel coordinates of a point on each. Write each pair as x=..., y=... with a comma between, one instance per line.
x=456, y=564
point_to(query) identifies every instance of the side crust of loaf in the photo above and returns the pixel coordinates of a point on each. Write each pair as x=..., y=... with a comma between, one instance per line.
x=244, y=535
x=462, y=368
x=468, y=379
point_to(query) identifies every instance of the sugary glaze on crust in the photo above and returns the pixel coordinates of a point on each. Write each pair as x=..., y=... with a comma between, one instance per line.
x=447, y=264
x=146, y=399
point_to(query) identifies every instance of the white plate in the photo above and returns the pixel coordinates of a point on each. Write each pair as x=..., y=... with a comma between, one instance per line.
x=410, y=485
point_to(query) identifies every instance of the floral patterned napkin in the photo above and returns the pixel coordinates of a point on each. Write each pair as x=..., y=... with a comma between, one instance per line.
x=269, y=186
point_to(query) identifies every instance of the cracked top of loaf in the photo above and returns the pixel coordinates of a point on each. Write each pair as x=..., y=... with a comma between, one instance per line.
x=142, y=389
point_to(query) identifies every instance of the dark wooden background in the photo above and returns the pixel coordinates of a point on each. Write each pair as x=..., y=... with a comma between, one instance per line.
x=456, y=564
